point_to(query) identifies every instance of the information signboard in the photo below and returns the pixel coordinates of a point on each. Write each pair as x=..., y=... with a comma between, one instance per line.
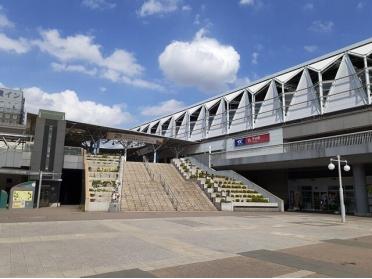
x=21, y=197
x=255, y=139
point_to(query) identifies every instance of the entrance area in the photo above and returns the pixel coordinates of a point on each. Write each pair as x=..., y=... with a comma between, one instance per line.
x=71, y=187
x=320, y=195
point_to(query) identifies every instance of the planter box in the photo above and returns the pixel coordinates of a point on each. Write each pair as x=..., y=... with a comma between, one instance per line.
x=227, y=206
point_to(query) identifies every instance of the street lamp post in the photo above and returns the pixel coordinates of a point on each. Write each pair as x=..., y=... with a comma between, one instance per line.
x=331, y=167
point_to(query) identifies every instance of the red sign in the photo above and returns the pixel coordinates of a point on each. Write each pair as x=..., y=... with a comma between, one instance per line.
x=257, y=139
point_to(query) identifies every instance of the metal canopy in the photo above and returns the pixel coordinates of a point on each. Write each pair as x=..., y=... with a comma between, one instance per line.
x=363, y=50
x=78, y=132
x=257, y=87
x=322, y=65
x=287, y=76
x=233, y=95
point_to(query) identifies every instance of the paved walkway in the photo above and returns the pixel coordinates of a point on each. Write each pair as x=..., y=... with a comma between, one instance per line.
x=217, y=245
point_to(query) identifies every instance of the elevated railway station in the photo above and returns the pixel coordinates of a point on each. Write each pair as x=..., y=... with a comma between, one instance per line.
x=265, y=146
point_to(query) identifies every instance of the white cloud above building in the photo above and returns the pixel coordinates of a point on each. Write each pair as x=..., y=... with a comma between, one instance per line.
x=76, y=109
x=203, y=62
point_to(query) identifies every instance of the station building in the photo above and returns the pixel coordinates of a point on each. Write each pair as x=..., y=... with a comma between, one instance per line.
x=277, y=133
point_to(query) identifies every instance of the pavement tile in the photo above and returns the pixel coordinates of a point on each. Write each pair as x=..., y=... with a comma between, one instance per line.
x=301, y=261
x=229, y=267
x=339, y=254
x=128, y=273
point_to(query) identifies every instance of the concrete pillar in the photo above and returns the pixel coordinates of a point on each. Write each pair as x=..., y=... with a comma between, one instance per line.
x=360, y=190
x=155, y=156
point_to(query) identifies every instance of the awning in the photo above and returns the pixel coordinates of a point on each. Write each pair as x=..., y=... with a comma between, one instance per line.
x=233, y=95
x=322, y=65
x=363, y=50
x=257, y=87
x=287, y=76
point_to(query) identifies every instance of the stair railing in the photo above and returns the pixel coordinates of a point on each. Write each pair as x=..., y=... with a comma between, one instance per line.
x=164, y=184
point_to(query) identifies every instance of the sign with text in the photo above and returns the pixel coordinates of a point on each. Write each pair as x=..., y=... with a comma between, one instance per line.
x=252, y=140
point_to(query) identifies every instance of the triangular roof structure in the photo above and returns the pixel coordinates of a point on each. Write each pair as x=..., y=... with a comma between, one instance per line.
x=347, y=90
x=363, y=50
x=270, y=111
x=288, y=76
x=257, y=87
x=217, y=127
x=305, y=102
x=242, y=119
x=210, y=104
x=324, y=64
x=233, y=95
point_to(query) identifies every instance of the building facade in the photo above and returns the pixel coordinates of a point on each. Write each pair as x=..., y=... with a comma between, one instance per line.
x=12, y=104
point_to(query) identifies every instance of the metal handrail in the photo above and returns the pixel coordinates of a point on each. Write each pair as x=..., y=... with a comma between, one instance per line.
x=164, y=184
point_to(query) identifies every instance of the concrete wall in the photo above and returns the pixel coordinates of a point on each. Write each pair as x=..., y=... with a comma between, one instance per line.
x=274, y=181
x=335, y=124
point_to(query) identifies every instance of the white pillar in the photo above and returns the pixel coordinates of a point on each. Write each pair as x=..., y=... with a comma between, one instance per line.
x=209, y=156
x=342, y=203
x=206, y=123
x=39, y=189
x=228, y=118
x=188, y=132
x=283, y=102
x=321, y=92
x=368, y=84
x=125, y=154
x=155, y=155
x=253, y=110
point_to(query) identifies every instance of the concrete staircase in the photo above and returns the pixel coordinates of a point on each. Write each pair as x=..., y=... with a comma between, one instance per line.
x=140, y=192
x=228, y=192
x=189, y=196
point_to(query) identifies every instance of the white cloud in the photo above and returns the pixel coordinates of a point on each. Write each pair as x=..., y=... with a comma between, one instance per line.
x=73, y=68
x=71, y=48
x=308, y=7
x=160, y=7
x=18, y=46
x=121, y=66
x=186, y=8
x=322, y=26
x=103, y=89
x=247, y=2
x=163, y=108
x=77, y=110
x=360, y=5
x=123, y=62
x=242, y=82
x=203, y=62
x=311, y=48
x=197, y=19
x=254, y=59
x=5, y=22
x=98, y=4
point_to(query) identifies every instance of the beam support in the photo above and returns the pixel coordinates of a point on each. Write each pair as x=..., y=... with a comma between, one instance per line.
x=283, y=103
x=321, y=101
x=368, y=82
x=253, y=110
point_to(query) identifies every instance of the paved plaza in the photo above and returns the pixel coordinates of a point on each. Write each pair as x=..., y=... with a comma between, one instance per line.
x=183, y=245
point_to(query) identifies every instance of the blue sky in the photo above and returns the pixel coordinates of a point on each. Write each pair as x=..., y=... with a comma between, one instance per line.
x=121, y=63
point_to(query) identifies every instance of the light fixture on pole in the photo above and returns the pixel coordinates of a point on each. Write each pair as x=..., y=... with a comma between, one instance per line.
x=331, y=167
